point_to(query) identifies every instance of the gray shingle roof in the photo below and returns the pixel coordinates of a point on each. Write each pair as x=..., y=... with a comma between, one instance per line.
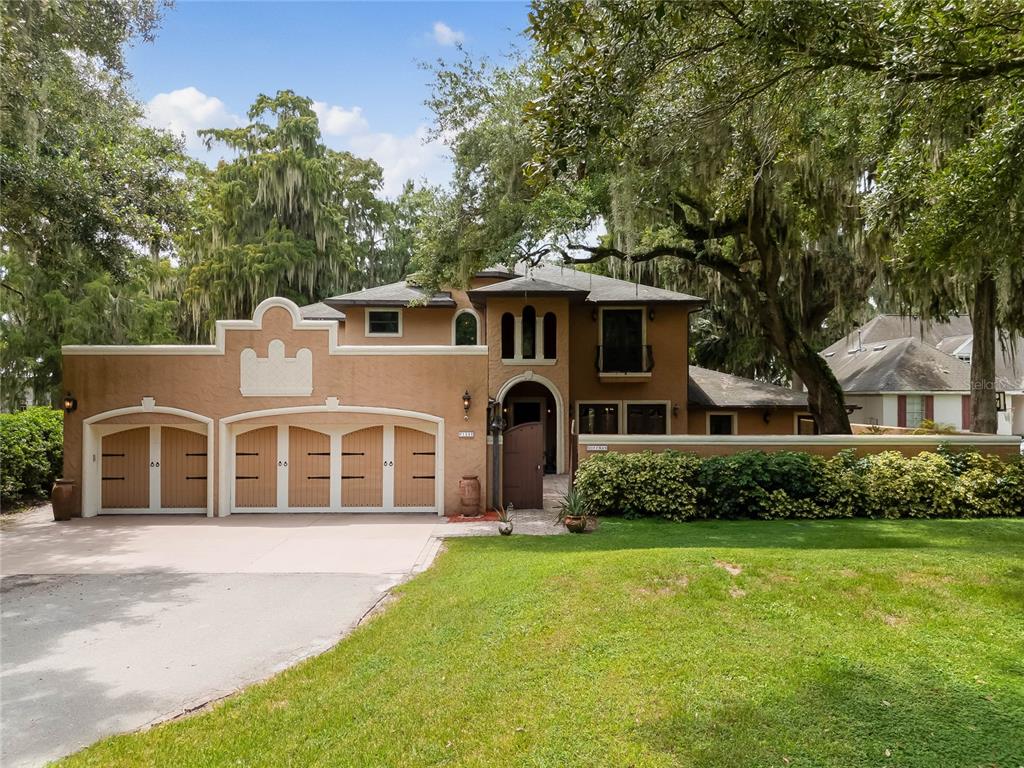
x=899, y=365
x=400, y=294
x=604, y=289
x=525, y=286
x=714, y=389
x=902, y=354
x=320, y=311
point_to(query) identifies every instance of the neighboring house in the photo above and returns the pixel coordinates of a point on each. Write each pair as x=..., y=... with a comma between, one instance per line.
x=899, y=371
x=391, y=398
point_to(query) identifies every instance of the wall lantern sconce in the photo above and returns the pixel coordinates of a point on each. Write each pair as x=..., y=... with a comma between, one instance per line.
x=650, y=314
x=466, y=400
x=675, y=409
x=70, y=404
x=766, y=417
x=593, y=314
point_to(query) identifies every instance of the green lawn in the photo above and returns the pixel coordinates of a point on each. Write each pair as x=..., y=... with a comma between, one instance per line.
x=825, y=643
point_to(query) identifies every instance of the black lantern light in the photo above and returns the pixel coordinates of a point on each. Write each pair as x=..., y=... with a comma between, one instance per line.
x=466, y=400
x=70, y=404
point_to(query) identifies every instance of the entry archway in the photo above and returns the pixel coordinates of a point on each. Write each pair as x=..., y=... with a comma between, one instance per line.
x=506, y=390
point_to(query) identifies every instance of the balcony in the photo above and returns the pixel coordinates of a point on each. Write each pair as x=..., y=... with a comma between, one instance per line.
x=624, y=363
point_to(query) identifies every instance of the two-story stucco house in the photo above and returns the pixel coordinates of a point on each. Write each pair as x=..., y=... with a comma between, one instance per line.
x=392, y=399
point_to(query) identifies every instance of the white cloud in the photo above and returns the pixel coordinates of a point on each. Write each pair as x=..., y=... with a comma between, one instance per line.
x=187, y=110
x=403, y=157
x=445, y=35
x=338, y=121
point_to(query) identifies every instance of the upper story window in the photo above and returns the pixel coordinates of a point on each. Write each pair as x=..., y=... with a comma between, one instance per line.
x=383, y=322
x=550, y=336
x=467, y=328
x=623, y=341
x=529, y=338
x=508, y=336
x=529, y=345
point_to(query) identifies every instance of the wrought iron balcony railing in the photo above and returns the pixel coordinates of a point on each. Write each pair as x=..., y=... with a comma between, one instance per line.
x=632, y=359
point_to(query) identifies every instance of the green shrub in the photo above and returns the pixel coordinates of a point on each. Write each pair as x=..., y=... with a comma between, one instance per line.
x=900, y=486
x=680, y=486
x=31, y=453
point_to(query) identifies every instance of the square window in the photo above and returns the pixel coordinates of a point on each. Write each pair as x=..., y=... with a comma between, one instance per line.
x=599, y=419
x=646, y=419
x=383, y=322
x=721, y=423
x=805, y=425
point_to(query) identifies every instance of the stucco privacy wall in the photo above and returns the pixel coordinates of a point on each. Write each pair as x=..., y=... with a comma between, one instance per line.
x=207, y=380
x=822, y=445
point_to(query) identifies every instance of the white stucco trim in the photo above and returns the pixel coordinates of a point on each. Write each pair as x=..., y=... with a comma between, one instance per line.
x=799, y=440
x=559, y=410
x=331, y=405
x=256, y=324
x=93, y=432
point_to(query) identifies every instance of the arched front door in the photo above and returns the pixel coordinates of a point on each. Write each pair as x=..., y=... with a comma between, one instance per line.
x=523, y=466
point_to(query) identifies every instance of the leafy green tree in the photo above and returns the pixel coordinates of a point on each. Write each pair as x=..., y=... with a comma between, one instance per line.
x=287, y=217
x=87, y=194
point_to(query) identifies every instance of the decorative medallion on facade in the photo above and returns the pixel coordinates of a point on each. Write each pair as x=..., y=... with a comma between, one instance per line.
x=276, y=375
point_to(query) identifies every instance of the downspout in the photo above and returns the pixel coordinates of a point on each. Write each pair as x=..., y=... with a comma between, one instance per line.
x=496, y=425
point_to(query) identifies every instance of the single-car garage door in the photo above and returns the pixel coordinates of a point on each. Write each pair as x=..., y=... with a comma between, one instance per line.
x=256, y=468
x=182, y=469
x=414, y=468
x=125, y=470
x=309, y=468
x=362, y=468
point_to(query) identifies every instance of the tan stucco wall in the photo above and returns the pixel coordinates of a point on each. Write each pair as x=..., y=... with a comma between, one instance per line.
x=667, y=335
x=749, y=421
x=499, y=374
x=210, y=385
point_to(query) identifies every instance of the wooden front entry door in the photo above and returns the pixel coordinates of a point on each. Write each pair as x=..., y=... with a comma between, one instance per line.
x=256, y=468
x=414, y=468
x=182, y=468
x=125, y=470
x=523, y=466
x=309, y=468
x=362, y=468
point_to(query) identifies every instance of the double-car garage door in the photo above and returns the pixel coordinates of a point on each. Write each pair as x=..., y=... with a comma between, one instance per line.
x=153, y=468
x=292, y=468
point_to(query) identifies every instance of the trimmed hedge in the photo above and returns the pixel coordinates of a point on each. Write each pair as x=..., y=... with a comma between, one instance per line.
x=680, y=486
x=31, y=453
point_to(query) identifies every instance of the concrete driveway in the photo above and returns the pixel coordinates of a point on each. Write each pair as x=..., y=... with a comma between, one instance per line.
x=109, y=624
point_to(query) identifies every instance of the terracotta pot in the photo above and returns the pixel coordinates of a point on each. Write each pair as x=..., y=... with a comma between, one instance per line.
x=62, y=499
x=505, y=529
x=576, y=524
x=469, y=495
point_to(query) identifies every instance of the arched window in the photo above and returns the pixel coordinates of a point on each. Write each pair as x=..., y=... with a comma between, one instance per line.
x=508, y=336
x=550, y=336
x=466, y=332
x=529, y=332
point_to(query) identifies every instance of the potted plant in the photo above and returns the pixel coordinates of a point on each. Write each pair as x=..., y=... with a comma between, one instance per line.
x=574, y=511
x=505, y=520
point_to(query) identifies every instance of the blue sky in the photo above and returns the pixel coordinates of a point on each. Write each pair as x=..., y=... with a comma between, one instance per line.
x=357, y=60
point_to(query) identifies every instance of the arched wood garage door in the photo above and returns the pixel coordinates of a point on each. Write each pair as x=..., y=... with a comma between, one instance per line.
x=183, y=466
x=125, y=470
x=256, y=468
x=414, y=468
x=362, y=468
x=309, y=468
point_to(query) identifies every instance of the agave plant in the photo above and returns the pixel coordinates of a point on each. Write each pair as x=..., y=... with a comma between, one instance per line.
x=573, y=505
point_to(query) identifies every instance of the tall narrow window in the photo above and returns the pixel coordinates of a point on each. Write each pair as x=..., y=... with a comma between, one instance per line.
x=550, y=336
x=622, y=332
x=529, y=332
x=508, y=336
x=465, y=329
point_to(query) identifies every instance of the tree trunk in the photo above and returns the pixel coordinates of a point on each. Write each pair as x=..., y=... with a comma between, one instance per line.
x=824, y=395
x=983, y=356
